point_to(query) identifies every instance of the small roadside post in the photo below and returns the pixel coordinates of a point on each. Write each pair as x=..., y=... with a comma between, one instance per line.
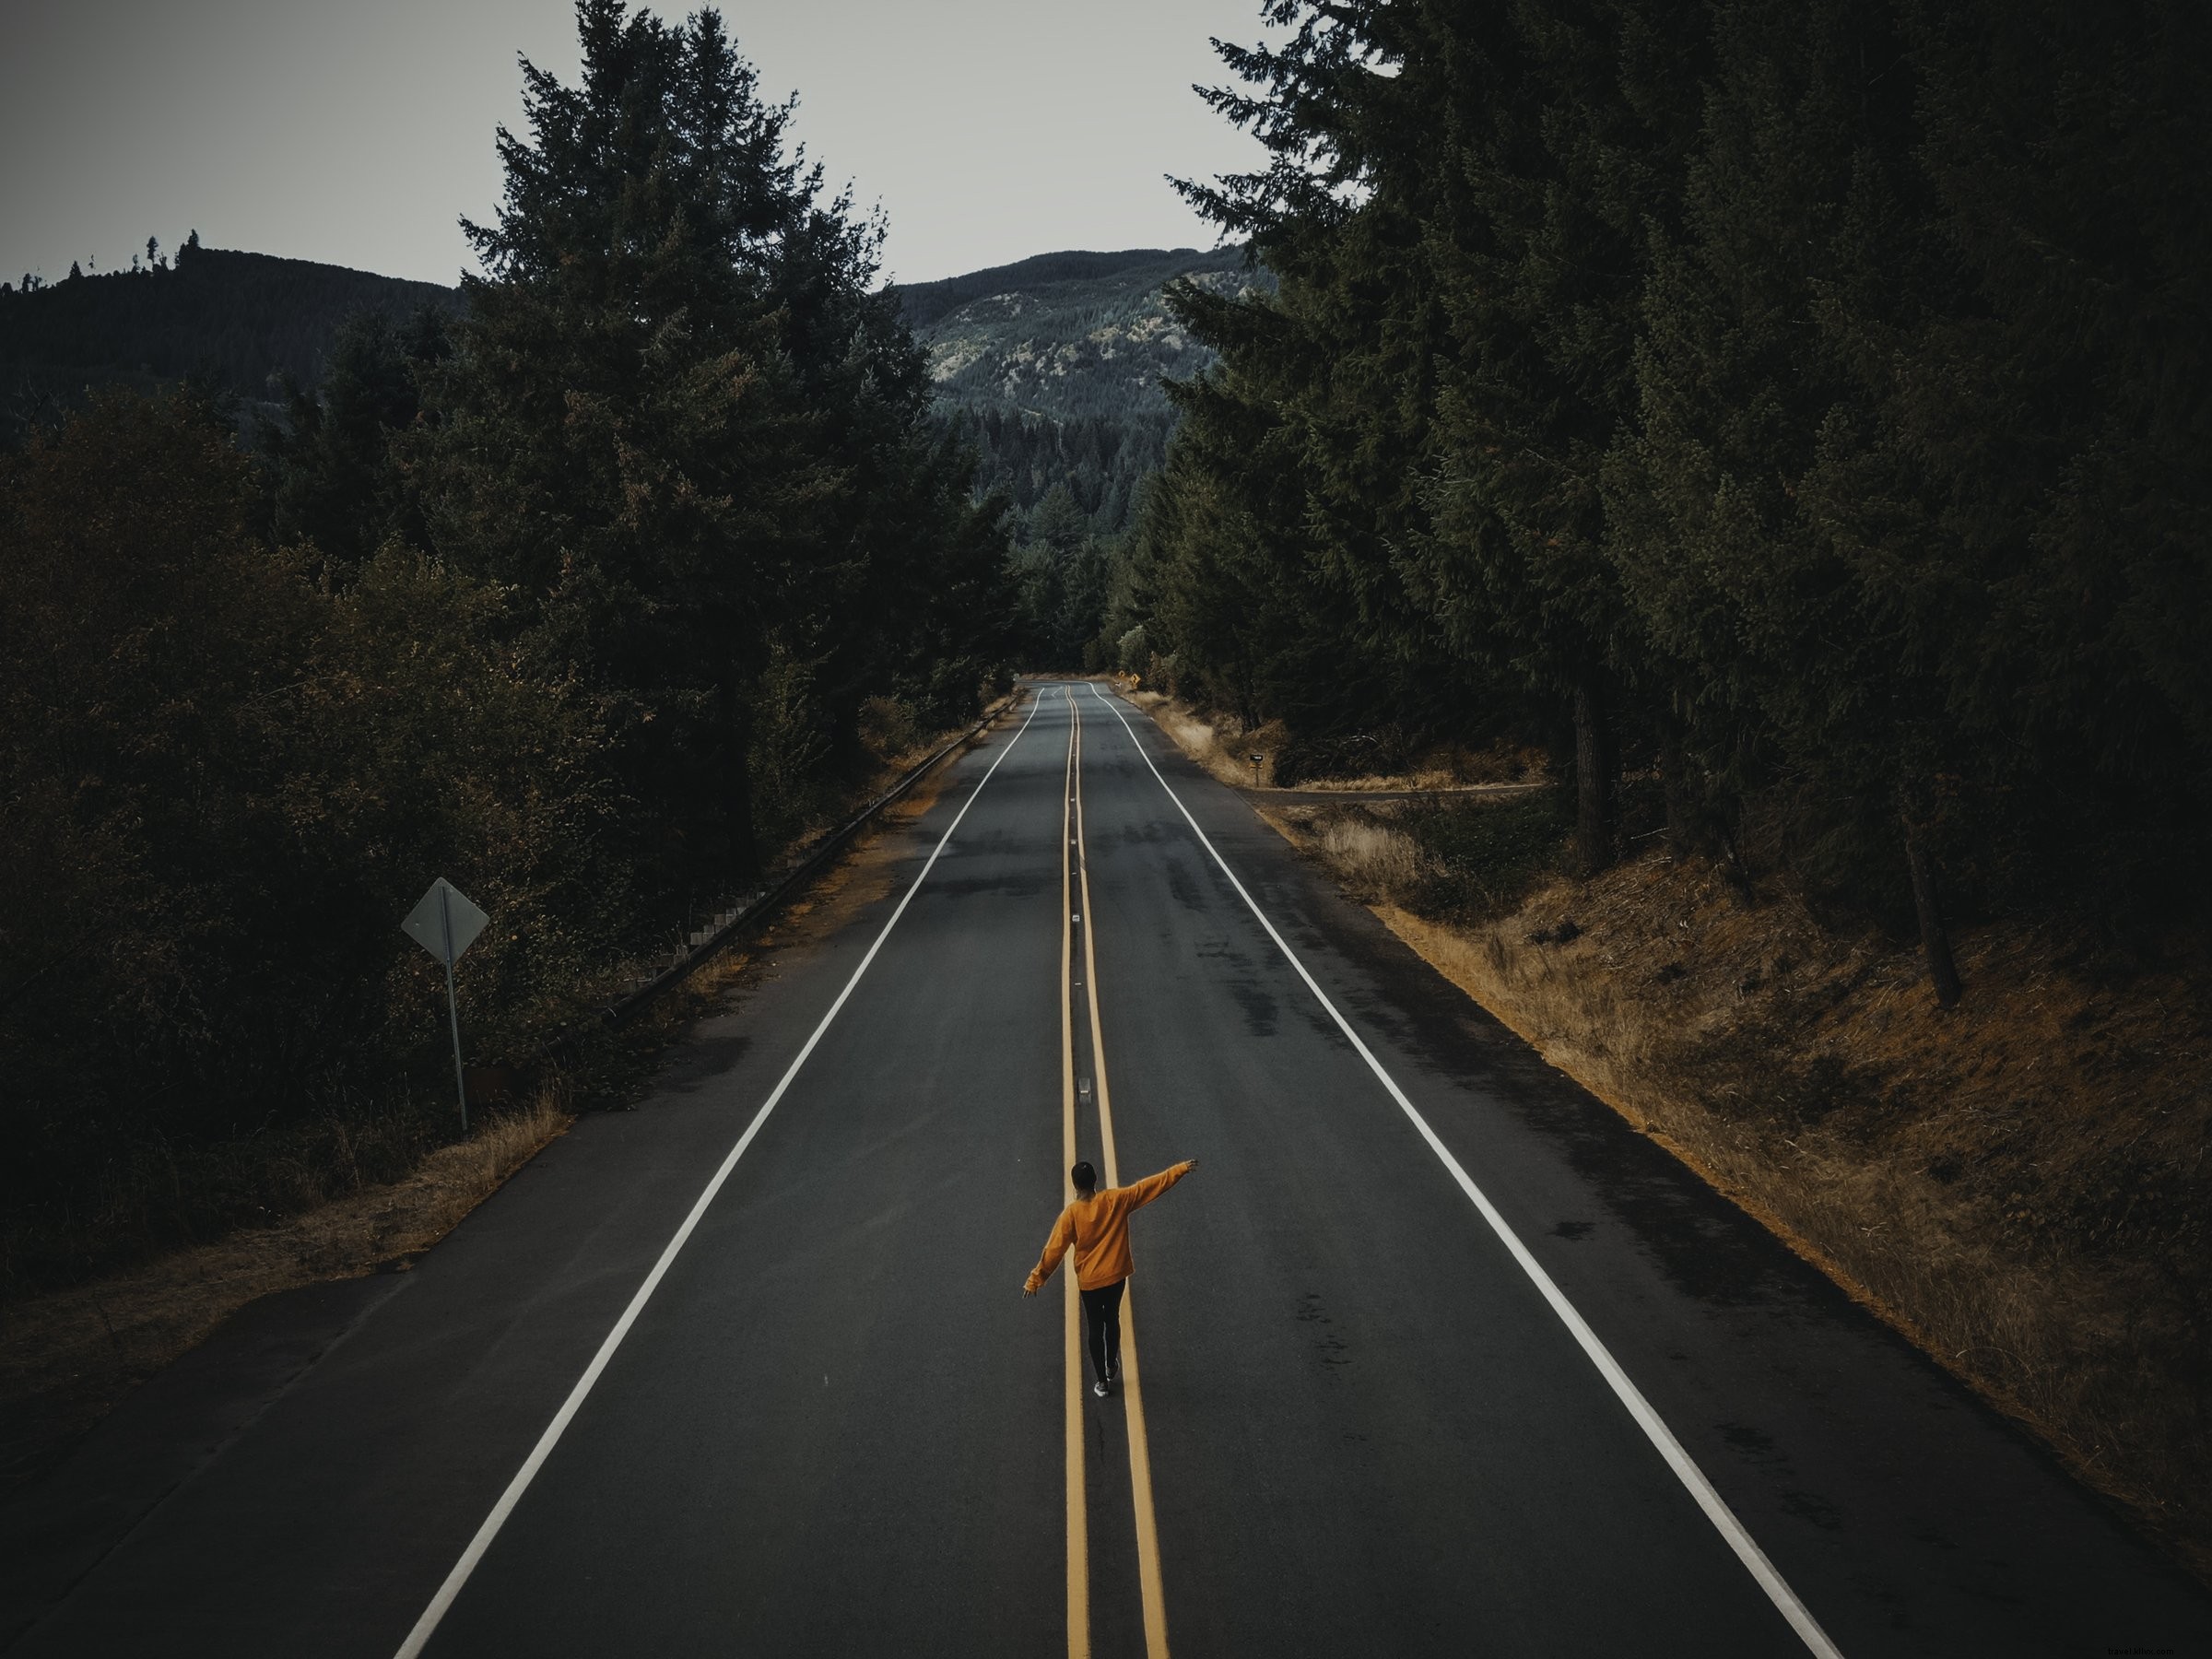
x=1256, y=758
x=445, y=924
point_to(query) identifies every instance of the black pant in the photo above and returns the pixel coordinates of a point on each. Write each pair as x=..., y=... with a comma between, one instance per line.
x=1102, y=1329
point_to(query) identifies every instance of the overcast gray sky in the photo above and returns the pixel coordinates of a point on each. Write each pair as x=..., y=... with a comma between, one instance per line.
x=356, y=132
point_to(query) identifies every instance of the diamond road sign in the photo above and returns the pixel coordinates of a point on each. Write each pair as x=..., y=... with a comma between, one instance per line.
x=445, y=924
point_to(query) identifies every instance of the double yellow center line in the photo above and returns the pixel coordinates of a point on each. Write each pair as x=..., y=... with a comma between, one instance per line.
x=1076, y=916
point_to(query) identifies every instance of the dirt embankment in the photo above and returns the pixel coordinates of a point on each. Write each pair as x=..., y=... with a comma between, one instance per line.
x=2022, y=1185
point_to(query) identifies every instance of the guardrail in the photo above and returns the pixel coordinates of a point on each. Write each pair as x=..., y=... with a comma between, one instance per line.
x=707, y=942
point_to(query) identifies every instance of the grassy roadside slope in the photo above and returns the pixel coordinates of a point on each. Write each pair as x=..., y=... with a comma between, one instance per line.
x=2020, y=1186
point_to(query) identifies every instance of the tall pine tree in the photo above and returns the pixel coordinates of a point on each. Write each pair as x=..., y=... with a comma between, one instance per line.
x=683, y=421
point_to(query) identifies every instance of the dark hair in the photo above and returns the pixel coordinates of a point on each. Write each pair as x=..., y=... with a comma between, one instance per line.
x=1084, y=1176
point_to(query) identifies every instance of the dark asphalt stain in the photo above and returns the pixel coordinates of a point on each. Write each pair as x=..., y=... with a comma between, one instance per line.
x=1258, y=1007
x=1809, y=1507
x=1332, y=1349
x=1757, y=1449
x=704, y=1057
x=1318, y=1022
x=1182, y=888
x=1024, y=886
x=1242, y=980
x=1573, y=1230
x=1754, y=1446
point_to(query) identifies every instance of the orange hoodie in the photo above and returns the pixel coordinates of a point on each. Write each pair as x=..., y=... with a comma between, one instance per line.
x=1098, y=1228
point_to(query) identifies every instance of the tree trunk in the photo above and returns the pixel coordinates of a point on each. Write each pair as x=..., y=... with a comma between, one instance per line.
x=845, y=746
x=1737, y=871
x=1674, y=787
x=738, y=777
x=1943, y=972
x=1593, y=778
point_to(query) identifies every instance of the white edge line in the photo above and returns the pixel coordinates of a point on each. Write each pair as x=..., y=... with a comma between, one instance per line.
x=1686, y=1470
x=442, y=1602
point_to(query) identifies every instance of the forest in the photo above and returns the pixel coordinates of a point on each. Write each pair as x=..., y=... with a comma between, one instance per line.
x=587, y=596
x=1791, y=415
x=1792, y=421
x=232, y=322
x=1055, y=369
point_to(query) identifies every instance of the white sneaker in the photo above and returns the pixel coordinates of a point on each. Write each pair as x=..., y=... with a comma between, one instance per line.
x=1101, y=1389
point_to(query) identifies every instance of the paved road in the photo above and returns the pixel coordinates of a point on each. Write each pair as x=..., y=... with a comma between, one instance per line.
x=1609, y=1416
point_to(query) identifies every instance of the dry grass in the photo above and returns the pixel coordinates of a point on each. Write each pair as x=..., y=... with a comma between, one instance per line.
x=1369, y=854
x=2019, y=1187
x=1442, y=780
x=1225, y=750
x=67, y=1358
x=1209, y=743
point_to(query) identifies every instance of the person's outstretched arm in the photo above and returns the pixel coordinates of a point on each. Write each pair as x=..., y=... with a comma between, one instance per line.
x=1142, y=1193
x=1063, y=1235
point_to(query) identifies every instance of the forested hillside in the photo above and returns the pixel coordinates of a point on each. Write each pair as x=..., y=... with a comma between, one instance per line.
x=1055, y=364
x=1055, y=369
x=239, y=320
x=1791, y=416
x=587, y=595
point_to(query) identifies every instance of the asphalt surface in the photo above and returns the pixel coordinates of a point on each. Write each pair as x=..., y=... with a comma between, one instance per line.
x=836, y=1425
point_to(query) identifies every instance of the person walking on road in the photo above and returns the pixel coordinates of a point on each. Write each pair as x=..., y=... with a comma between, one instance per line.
x=1097, y=1227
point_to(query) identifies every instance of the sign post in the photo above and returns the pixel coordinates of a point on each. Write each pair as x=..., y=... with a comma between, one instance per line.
x=445, y=924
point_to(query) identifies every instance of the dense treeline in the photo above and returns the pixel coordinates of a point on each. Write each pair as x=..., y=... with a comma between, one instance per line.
x=237, y=321
x=1055, y=369
x=1801, y=404
x=584, y=599
x=1073, y=489
x=1101, y=461
x=1064, y=576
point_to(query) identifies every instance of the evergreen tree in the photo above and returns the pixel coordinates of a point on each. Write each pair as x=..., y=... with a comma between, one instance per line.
x=219, y=781
x=333, y=481
x=680, y=421
x=1762, y=521
x=1804, y=395
x=1331, y=385
x=2057, y=412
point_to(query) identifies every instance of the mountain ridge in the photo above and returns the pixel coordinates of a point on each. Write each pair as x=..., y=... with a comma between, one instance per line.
x=1064, y=335
x=246, y=318
x=1055, y=366
x=924, y=302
